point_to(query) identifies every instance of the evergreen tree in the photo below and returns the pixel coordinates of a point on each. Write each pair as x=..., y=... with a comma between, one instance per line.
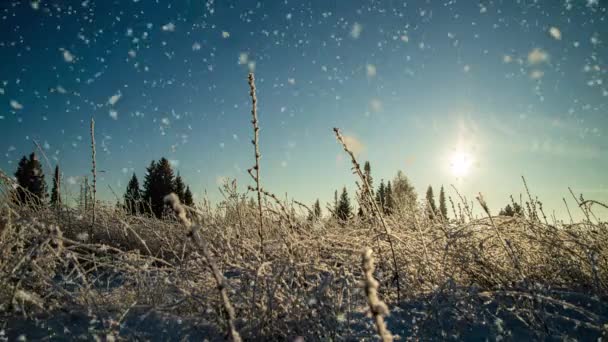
x=390, y=202
x=316, y=210
x=56, y=190
x=159, y=182
x=507, y=211
x=133, y=196
x=381, y=196
x=344, y=208
x=511, y=210
x=367, y=169
x=404, y=194
x=31, y=179
x=443, y=209
x=335, y=204
x=180, y=188
x=188, y=200
x=430, y=202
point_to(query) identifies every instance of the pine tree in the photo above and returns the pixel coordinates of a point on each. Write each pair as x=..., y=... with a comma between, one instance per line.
x=56, y=190
x=430, y=202
x=404, y=194
x=443, y=209
x=30, y=177
x=180, y=188
x=188, y=200
x=335, y=204
x=381, y=196
x=133, y=196
x=22, y=179
x=390, y=202
x=344, y=208
x=158, y=183
x=316, y=209
x=367, y=169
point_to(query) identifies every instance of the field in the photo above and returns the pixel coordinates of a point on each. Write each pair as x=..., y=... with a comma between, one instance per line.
x=133, y=277
x=271, y=270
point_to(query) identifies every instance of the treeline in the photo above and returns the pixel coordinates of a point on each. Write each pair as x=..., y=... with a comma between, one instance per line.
x=159, y=181
x=395, y=195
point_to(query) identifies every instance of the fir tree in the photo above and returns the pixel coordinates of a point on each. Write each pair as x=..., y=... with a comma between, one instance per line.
x=367, y=169
x=56, y=190
x=31, y=179
x=443, y=209
x=430, y=202
x=335, y=204
x=317, y=209
x=133, y=196
x=344, y=208
x=188, y=200
x=381, y=196
x=180, y=188
x=159, y=182
x=404, y=195
x=390, y=202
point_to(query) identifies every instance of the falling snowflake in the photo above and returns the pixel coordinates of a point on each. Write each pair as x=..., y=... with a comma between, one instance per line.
x=113, y=114
x=538, y=56
x=170, y=27
x=355, y=31
x=225, y=34
x=555, y=33
x=16, y=105
x=114, y=98
x=67, y=56
x=371, y=70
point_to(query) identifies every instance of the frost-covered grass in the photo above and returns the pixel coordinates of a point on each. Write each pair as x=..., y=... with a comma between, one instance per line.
x=132, y=277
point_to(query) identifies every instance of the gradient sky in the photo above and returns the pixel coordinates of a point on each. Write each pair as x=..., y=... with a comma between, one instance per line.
x=518, y=86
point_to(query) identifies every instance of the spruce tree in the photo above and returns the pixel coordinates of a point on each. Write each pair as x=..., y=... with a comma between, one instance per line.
x=22, y=179
x=56, y=190
x=159, y=182
x=390, y=202
x=344, y=208
x=316, y=209
x=30, y=177
x=335, y=204
x=381, y=196
x=188, y=200
x=180, y=188
x=443, y=209
x=404, y=194
x=367, y=169
x=133, y=196
x=430, y=202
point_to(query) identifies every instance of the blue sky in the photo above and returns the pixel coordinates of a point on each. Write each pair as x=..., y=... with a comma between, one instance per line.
x=518, y=87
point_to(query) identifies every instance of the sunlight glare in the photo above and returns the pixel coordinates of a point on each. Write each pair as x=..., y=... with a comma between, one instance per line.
x=460, y=163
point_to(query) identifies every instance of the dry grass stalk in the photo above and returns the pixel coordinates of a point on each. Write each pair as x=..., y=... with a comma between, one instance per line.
x=94, y=167
x=256, y=145
x=180, y=211
x=377, y=308
x=368, y=191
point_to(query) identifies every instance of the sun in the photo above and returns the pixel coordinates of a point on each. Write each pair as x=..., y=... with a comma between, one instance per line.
x=460, y=163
